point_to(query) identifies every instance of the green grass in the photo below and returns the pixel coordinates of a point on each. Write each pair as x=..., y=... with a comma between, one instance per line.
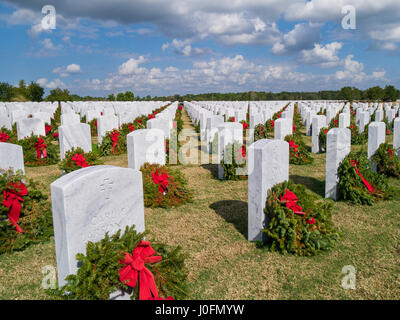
x=222, y=264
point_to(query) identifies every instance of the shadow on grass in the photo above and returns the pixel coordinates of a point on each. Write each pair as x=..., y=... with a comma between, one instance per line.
x=315, y=185
x=213, y=168
x=233, y=211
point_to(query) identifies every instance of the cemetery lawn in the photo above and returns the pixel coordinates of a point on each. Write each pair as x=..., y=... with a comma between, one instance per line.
x=222, y=264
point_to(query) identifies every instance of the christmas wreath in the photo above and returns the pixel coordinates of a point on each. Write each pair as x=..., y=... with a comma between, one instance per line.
x=260, y=132
x=358, y=183
x=7, y=135
x=356, y=137
x=76, y=159
x=25, y=213
x=234, y=161
x=298, y=153
x=113, y=143
x=297, y=222
x=322, y=139
x=150, y=271
x=164, y=187
x=386, y=160
x=39, y=151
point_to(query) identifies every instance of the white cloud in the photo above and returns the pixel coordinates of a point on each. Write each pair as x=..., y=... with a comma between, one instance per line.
x=57, y=83
x=68, y=70
x=324, y=56
x=303, y=36
x=132, y=66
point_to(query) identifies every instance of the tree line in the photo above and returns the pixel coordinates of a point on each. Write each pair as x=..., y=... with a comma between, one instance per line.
x=34, y=92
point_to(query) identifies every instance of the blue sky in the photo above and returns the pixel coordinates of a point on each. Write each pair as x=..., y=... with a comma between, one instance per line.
x=160, y=47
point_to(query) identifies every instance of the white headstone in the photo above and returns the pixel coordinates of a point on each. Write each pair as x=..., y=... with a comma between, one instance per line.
x=338, y=144
x=74, y=136
x=89, y=202
x=11, y=157
x=268, y=165
x=376, y=136
x=27, y=127
x=145, y=145
x=318, y=122
x=106, y=124
x=282, y=128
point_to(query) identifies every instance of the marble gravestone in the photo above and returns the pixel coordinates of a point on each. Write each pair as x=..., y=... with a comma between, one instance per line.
x=5, y=122
x=70, y=118
x=74, y=136
x=106, y=124
x=376, y=136
x=145, y=145
x=46, y=117
x=11, y=157
x=27, y=127
x=317, y=123
x=282, y=128
x=396, y=134
x=338, y=145
x=268, y=165
x=90, y=202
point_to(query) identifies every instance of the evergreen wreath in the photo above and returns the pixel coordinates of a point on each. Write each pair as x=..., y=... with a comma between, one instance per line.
x=322, y=139
x=260, y=132
x=359, y=184
x=297, y=222
x=76, y=159
x=33, y=223
x=113, y=143
x=164, y=187
x=387, y=161
x=234, y=158
x=99, y=273
x=39, y=151
x=298, y=153
x=7, y=136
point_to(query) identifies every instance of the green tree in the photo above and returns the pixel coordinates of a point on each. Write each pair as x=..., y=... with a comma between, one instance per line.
x=375, y=93
x=120, y=97
x=34, y=92
x=350, y=94
x=391, y=93
x=129, y=96
x=5, y=91
x=111, y=97
x=59, y=95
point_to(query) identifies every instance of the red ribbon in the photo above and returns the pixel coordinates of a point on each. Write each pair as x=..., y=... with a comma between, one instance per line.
x=40, y=147
x=367, y=184
x=135, y=269
x=4, y=137
x=12, y=198
x=48, y=129
x=131, y=127
x=390, y=151
x=114, y=137
x=272, y=122
x=151, y=116
x=245, y=126
x=55, y=135
x=290, y=199
x=80, y=160
x=162, y=180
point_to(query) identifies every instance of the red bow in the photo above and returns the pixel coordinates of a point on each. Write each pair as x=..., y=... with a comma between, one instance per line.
x=48, y=129
x=390, y=151
x=367, y=184
x=290, y=199
x=180, y=107
x=12, y=198
x=80, y=160
x=4, y=137
x=161, y=180
x=294, y=128
x=294, y=146
x=151, y=116
x=95, y=123
x=245, y=126
x=40, y=147
x=131, y=127
x=135, y=269
x=139, y=120
x=55, y=135
x=310, y=221
x=114, y=137
x=272, y=123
